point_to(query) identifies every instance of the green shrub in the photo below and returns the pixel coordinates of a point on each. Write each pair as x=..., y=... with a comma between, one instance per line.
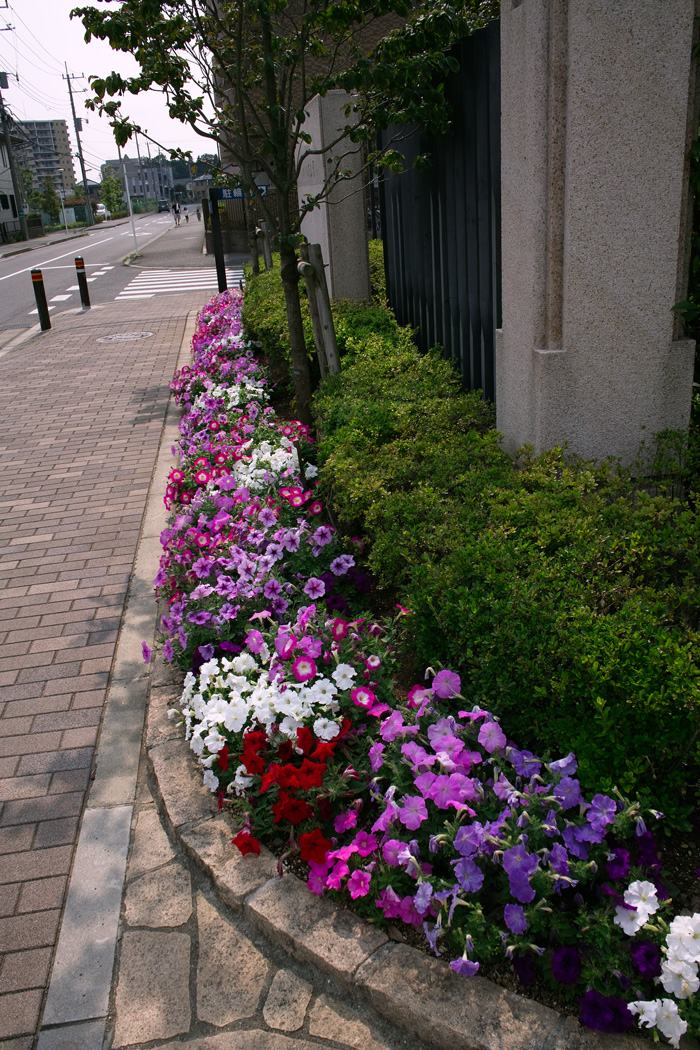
x=377, y=275
x=566, y=594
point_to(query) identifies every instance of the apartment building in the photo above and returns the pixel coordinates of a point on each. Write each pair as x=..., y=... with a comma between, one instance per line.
x=46, y=150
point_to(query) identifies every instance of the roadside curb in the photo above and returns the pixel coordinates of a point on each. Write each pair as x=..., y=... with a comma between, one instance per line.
x=418, y=994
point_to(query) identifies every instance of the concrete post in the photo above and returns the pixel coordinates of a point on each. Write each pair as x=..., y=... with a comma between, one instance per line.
x=339, y=224
x=598, y=112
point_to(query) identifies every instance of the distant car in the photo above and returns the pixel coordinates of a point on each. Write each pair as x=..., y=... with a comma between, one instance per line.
x=163, y=205
x=102, y=212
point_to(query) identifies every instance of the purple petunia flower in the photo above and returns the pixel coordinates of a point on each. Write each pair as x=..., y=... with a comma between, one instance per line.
x=601, y=812
x=147, y=653
x=566, y=964
x=469, y=875
x=647, y=958
x=605, y=1014
x=464, y=967
x=567, y=792
x=339, y=566
x=469, y=839
x=514, y=917
x=566, y=766
x=618, y=863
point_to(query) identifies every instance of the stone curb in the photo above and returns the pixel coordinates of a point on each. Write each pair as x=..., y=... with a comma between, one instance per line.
x=417, y=993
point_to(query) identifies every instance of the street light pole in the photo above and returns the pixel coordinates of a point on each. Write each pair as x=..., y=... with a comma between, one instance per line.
x=128, y=198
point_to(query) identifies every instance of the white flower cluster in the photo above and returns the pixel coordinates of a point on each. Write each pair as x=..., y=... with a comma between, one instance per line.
x=264, y=461
x=641, y=896
x=679, y=976
x=238, y=695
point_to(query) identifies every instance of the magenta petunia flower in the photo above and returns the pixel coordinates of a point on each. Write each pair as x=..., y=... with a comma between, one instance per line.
x=491, y=737
x=147, y=652
x=358, y=884
x=413, y=812
x=362, y=696
x=446, y=684
x=303, y=668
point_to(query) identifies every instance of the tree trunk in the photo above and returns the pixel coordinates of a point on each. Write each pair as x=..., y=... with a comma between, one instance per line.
x=300, y=361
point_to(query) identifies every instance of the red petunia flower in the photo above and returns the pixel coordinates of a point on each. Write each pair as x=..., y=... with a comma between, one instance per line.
x=246, y=843
x=314, y=846
x=295, y=810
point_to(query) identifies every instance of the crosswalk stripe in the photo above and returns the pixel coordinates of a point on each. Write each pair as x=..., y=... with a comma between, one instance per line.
x=153, y=282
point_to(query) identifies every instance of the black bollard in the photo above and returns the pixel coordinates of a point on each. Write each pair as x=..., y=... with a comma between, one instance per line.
x=40, y=296
x=82, y=283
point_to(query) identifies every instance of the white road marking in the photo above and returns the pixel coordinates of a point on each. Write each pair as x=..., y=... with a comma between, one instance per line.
x=38, y=266
x=59, y=298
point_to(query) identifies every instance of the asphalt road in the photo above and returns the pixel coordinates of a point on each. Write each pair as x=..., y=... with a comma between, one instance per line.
x=103, y=250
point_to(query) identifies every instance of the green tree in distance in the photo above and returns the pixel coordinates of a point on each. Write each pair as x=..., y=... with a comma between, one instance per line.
x=50, y=201
x=241, y=73
x=111, y=190
x=32, y=196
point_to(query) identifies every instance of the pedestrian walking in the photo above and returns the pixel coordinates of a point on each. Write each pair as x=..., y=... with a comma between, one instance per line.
x=176, y=213
x=187, y=215
x=199, y=215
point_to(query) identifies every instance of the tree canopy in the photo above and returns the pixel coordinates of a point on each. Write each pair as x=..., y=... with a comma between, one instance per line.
x=242, y=72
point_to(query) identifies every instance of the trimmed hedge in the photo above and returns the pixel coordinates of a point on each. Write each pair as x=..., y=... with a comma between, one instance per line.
x=566, y=594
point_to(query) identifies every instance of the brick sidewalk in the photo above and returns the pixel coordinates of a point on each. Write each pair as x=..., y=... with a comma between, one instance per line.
x=81, y=424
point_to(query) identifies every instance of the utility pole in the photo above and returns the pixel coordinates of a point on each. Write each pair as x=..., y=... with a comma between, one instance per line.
x=16, y=184
x=76, y=125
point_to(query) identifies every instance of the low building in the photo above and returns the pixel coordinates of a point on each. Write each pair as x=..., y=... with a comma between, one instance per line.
x=147, y=179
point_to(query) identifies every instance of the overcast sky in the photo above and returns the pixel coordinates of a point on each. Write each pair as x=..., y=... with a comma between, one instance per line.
x=43, y=38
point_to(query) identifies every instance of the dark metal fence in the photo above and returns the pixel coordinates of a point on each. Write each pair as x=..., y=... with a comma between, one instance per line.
x=442, y=227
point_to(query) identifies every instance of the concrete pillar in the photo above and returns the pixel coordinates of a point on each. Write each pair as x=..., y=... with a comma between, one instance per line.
x=598, y=112
x=339, y=224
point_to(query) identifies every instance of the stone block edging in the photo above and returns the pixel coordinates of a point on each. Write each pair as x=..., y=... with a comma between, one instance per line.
x=415, y=992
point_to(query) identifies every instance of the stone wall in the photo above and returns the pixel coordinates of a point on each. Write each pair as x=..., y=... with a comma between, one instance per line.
x=598, y=110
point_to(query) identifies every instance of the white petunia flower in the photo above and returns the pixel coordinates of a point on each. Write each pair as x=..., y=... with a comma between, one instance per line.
x=344, y=676
x=211, y=781
x=679, y=978
x=325, y=729
x=645, y=1010
x=669, y=1022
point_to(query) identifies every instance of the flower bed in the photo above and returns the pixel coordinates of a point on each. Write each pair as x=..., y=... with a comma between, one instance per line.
x=419, y=810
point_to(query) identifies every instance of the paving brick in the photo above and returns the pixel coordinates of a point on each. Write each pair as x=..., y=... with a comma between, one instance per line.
x=48, y=674
x=28, y=743
x=42, y=894
x=55, y=761
x=8, y=766
x=34, y=930
x=19, y=1013
x=25, y=811
x=79, y=684
x=9, y=895
x=71, y=780
x=60, y=720
x=59, y=832
x=84, y=737
x=58, y=642
x=35, y=864
x=24, y=787
x=17, y=838
x=24, y=970
x=10, y=726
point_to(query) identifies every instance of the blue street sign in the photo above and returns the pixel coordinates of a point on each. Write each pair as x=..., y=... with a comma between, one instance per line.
x=223, y=193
